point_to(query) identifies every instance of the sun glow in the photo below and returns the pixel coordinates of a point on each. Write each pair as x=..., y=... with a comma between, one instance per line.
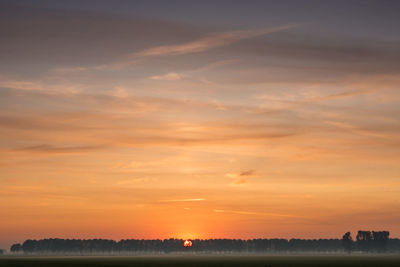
x=187, y=243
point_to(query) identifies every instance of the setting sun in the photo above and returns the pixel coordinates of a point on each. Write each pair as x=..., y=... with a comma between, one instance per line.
x=187, y=243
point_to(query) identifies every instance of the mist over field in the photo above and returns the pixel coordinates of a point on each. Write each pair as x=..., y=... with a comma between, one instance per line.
x=225, y=260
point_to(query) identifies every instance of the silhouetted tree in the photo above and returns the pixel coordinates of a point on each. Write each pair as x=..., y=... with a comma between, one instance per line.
x=368, y=241
x=347, y=242
x=29, y=246
x=15, y=248
x=364, y=241
x=380, y=240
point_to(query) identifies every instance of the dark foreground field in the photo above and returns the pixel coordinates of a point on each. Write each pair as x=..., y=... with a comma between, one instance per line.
x=270, y=261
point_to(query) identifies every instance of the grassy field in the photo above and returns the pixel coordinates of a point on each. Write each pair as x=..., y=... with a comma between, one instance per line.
x=185, y=260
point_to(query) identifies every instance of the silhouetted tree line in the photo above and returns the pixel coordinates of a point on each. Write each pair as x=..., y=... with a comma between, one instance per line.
x=370, y=241
x=366, y=241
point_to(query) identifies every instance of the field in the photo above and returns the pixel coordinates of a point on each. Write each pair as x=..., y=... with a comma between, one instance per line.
x=186, y=260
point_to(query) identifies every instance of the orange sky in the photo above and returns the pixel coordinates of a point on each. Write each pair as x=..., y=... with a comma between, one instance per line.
x=199, y=137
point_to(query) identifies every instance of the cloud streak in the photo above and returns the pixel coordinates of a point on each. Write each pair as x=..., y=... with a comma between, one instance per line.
x=208, y=42
x=170, y=76
x=184, y=200
x=197, y=46
x=241, y=177
x=242, y=212
x=46, y=148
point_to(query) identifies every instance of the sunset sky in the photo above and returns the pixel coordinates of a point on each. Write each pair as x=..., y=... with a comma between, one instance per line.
x=198, y=119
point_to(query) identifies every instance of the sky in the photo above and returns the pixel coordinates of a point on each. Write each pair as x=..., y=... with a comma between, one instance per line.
x=198, y=119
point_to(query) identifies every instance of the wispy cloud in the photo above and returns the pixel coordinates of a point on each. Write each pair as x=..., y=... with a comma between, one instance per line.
x=241, y=177
x=359, y=131
x=367, y=85
x=239, y=174
x=170, y=76
x=208, y=42
x=135, y=182
x=43, y=84
x=18, y=84
x=46, y=148
x=345, y=94
x=200, y=45
x=183, y=200
x=242, y=212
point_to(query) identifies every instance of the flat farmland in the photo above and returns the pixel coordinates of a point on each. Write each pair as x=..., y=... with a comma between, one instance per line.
x=203, y=260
